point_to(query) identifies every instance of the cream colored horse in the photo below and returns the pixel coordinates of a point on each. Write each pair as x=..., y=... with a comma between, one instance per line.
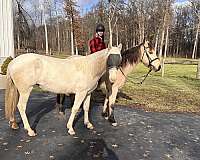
x=130, y=59
x=80, y=77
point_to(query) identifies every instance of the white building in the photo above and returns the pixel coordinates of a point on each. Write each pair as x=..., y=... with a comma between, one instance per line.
x=6, y=29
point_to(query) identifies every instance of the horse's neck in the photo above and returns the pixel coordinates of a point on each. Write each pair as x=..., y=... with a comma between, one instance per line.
x=98, y=62
x=129, y=68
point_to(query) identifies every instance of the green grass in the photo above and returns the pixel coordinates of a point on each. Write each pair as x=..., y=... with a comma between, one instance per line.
x=177, y=91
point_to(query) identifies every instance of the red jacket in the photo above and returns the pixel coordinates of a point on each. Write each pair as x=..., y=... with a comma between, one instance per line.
x=96, y=44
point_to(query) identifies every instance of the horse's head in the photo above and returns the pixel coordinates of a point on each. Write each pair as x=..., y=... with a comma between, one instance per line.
x=113, y=62
x=149, y=57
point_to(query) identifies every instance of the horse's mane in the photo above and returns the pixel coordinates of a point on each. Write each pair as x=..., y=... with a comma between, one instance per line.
x=131, y=55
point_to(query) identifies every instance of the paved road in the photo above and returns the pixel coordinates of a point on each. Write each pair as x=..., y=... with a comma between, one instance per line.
x=140, y=135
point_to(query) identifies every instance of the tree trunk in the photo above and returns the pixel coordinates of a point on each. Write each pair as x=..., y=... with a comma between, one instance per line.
x=72, y=37
x=161, y=43
x=110, y=30
x=196, y=40
x=117, y=34
x=46, y=37
x=110, y=25
x=126, y=37
x=58, y=35
x=46, y=33
x=156, y=43
x=177, y=49
x=18, y=40
x=76, y=47
x=165, y=53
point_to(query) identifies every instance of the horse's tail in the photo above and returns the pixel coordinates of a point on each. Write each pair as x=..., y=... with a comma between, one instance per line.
x=11, y=97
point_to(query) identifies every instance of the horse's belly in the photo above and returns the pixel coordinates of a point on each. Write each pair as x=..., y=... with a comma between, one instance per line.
x=56, y=88
x=66, y=86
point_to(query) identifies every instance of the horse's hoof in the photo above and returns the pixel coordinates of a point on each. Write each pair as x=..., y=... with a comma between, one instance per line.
x=114, y=124
x=105, y=115
x=60, y=109
x=61, y=113
x=71, y=132
x=89, y=126
x=14, y=125
x=111, y=119
x=31, y=133
x=106, y=118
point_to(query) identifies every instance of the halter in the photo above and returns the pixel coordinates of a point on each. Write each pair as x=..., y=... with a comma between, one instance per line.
x=149, y=58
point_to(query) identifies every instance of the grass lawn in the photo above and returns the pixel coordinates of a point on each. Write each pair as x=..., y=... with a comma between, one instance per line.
x=177, y=91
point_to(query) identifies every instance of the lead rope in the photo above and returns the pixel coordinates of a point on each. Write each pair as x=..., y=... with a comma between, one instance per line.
x=145, y=76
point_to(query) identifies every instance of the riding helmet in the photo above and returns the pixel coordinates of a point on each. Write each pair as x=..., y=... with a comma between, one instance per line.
x=100, y=28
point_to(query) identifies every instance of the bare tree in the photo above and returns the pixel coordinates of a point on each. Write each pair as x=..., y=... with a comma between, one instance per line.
x=196, y=4
x=44, y=6
x=70, y=8
x=197, y=12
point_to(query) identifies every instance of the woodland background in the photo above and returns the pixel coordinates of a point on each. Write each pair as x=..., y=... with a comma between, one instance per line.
x=61, y=26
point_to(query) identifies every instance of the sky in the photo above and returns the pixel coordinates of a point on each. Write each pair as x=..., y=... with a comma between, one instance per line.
x=181, y=2
x=87, y=4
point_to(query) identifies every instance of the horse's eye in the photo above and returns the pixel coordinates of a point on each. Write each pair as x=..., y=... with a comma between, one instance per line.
x=151, y=52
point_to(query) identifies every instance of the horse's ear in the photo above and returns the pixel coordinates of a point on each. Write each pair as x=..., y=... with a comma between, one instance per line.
x=120, y=46
x=109, y=46
x=146, y=43
x=144, y=40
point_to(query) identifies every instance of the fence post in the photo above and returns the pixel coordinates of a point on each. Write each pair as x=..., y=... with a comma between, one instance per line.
x=198, y=69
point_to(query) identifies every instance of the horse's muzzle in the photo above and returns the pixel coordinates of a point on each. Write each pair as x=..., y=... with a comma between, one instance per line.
x=114, y=60
x=158, y=68
x=112, y=75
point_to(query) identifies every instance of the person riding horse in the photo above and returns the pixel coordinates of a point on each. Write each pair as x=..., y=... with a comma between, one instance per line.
x=95, y=44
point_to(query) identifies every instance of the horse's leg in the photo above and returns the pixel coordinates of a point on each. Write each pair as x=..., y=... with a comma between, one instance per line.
x=23, y=99
x=12, y=122
x=79, y=97
x=105, y=112
x=59, y=103
x=86, y=107
x=111, y=102
x=72, y=97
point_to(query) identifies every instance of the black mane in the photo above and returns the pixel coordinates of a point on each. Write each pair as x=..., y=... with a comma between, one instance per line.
x=130, y=56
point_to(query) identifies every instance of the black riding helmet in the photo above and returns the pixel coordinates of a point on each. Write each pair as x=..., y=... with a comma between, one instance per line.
x=100, y=28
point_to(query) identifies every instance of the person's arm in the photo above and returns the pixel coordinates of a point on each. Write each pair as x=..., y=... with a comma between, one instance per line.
x=92, y=46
